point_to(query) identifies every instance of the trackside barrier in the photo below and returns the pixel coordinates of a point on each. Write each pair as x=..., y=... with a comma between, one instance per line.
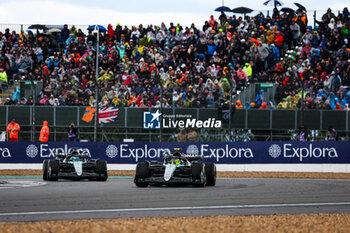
x=220, y=153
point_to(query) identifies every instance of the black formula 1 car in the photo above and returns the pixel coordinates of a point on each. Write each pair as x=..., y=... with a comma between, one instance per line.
x=76, y=166
x=176, y=169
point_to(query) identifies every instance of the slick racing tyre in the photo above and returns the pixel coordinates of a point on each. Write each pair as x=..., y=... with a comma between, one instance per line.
x=53, y=169
x=210, y=173
x=101, y=167
x=45, y=169
x=198, y=174
x=141, y=173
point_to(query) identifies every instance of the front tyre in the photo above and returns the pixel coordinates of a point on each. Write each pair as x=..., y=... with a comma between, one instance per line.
x=210, y=173
x=53, y=169
x=198, y=175
x=142, y=171
x=101, y=167
x=45, y=169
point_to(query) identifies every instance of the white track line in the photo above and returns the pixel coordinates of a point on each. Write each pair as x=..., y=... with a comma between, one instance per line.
x=176, y=208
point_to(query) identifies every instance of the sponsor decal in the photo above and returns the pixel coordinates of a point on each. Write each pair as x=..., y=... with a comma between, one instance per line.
x=192, y=149
x=5, y=153
x=275, y=151
x=226, y=152
x=191, y=123
x=142, y=152
x=151, y=120
x=302, y=152
x=111, y=151
x=32, y=151
x=235, y=153
x=309, y=152
x=45, y=151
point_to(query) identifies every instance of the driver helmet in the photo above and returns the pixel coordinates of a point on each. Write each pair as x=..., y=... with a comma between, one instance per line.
x=177, y=154
x=75, y=153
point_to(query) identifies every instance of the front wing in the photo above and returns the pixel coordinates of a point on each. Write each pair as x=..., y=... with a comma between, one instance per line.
x=67, y=171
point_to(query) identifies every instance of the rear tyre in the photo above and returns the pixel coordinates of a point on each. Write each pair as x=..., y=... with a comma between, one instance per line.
x=101, y=167
x=210, y=173
x=45, y=169
x=141, y=173
x=198, y=175
x=53, y=169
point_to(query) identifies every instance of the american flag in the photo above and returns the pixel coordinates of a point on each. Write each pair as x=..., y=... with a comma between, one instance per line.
x=107, y=114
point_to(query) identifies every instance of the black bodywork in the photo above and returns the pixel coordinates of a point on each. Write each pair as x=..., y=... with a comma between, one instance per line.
x=190, y=170
x=62, y=167
x=182, y=175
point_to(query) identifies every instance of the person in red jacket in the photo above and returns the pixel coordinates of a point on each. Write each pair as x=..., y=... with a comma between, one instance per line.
x=338, y=107
x=110, y=31
x=44, y=132
x=263, y=106
x=12, y=130
x=279, y=42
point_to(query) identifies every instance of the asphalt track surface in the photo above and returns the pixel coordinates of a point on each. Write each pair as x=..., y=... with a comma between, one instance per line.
x=120, y=198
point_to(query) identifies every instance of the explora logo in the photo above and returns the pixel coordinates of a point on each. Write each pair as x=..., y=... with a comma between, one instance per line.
x=151, y=120
x=5, y=153
x=302, y=153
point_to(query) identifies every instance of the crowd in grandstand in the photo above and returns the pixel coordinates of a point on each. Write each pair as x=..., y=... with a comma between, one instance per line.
x=194, y=66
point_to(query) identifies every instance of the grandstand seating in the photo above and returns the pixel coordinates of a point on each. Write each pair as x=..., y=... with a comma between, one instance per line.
x=179, y=66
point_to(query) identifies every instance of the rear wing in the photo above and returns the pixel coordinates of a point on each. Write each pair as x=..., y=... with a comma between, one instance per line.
x=192, y=157
x=189, y=157
x=60, y=156
x=69, y=155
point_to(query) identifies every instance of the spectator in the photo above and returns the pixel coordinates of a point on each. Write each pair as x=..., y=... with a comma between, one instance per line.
x=279, y=40
x=328, y=15
x=263, y=105
x=259, y=97
x=303, y=134
x=295, y=29
x=239, y=105
x=141, y=61
x=247, y=105
x=331, y=134
x=8, y=102
x=3, y=78
x=51, y=100
x=181, y=136
x=210, y=100
x=192, y=135
x=242, y=76
x=44, y=100
x=248, y=69
x=72, y=133
x=262, y=53
x=12, y=130
x=44, y=132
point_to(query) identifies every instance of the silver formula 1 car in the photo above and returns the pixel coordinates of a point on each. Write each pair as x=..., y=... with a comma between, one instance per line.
x=76, y=166
x=176, y=169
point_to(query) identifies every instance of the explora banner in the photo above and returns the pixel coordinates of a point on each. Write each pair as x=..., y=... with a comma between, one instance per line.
x=225, y=153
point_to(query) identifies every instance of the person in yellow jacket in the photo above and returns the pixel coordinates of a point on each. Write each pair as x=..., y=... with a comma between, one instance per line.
x=12, y=129
x=270, y=38
x=248, y=68
x=3, y=77
x=44, y=132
